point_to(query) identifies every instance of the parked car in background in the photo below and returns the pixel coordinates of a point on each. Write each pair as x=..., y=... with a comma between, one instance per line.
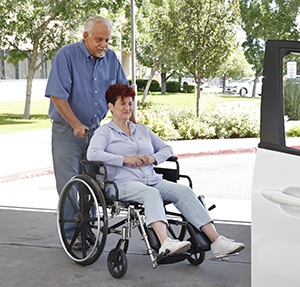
x=244, y=86
x=192, y=82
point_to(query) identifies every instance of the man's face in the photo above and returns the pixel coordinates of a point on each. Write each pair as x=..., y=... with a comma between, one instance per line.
x=97, y=44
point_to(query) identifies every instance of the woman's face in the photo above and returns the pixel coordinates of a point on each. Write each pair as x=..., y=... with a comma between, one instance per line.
x=122, y=109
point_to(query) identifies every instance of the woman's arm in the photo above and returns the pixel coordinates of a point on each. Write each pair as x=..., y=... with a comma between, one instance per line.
x=162, y=151
x=97, y=148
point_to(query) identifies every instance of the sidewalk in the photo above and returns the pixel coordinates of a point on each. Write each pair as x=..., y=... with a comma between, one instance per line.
x=28, y=154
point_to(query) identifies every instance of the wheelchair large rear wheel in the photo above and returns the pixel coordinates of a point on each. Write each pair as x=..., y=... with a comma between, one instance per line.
x=82, y=216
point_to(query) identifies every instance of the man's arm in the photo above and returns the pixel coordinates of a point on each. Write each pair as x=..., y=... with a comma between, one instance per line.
x=66, y=112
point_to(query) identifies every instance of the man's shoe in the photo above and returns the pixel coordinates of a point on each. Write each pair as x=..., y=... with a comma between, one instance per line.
x=175, y=246
x=224, y=246
x=77, y=246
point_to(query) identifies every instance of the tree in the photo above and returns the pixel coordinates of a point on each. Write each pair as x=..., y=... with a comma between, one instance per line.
x=204, y=35
x=235, y=66
x=154, y=40
x=33, y=27
x=266, y=20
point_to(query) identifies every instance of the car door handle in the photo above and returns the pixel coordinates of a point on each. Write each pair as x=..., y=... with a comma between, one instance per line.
x=281, y=198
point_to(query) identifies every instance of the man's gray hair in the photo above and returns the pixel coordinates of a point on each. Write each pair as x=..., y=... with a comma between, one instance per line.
x=89, y=24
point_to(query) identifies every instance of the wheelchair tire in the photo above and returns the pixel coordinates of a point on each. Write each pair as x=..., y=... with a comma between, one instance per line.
x=88, y=215
x=117, y=263
x=196, y=257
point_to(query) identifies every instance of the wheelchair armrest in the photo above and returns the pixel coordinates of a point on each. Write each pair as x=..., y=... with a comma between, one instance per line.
x=171, y=174
x=172, y=158
x=93, y=166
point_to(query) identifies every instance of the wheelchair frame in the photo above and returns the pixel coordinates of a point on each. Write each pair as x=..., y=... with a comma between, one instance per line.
x=84, y=193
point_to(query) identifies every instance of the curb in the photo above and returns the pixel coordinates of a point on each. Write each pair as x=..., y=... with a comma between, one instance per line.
x=218, y=152
x=49, y=170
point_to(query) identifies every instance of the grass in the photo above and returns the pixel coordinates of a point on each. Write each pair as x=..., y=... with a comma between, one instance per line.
x=181, y=100
x=11, y=116
x=11, y=112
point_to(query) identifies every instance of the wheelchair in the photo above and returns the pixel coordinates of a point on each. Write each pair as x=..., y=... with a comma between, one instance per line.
x=84, y=194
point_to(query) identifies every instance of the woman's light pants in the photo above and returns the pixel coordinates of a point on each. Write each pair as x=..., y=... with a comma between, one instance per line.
x=152, y=197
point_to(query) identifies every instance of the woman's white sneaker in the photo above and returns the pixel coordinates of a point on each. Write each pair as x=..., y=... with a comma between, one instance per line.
x=175, y=246
x=224, y=246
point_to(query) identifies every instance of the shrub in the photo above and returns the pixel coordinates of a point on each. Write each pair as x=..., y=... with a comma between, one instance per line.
x=194, y=129
x=215, y=121
x=292, y=100
x=141, y=84
x=189, y=88
x=159, y=123
x=181, y=115
x=154, y=87
x=234, y=122
x=173, y=87
x=294, y=131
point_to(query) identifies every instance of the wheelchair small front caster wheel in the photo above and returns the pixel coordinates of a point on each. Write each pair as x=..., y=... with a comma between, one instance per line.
x=117, y=263
x=196, y=257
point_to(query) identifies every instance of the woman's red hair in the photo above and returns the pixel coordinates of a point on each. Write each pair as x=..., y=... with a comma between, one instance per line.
x=118, y=90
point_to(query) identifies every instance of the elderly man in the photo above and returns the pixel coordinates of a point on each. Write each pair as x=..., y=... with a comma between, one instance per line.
x=80, y=75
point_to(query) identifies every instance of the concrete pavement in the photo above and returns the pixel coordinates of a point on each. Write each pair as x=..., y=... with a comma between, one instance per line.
x=31, y=255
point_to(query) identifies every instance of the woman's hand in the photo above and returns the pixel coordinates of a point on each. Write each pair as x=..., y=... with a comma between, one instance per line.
x=137, y=161
x=149, y=159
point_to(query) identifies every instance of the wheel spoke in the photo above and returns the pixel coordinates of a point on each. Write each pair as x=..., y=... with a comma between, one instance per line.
x=73, y=203
x=75, y=235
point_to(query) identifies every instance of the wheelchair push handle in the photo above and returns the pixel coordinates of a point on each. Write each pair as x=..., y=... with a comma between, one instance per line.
x=89, y=134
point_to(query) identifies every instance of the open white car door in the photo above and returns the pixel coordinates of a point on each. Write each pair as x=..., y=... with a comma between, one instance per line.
x=276, y=183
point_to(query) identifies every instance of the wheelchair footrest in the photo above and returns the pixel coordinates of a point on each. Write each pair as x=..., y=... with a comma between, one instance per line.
x=198, y=238
x=170, y=258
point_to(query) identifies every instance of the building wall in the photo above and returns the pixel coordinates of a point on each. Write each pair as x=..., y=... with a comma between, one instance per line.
x=10, y=72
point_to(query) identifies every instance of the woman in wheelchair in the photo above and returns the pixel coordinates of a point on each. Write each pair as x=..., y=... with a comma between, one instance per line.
x=130, y=152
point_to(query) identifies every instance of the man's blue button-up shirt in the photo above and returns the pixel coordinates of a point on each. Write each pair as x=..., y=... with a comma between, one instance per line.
x=76, y=78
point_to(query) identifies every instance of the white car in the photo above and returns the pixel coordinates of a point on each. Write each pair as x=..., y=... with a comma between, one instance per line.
x=244, y=86
x=275, y=232
x=192, y=82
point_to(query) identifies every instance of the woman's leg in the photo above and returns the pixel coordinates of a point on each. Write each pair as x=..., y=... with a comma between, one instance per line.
x=210, y=232
x=146, y=195
x=160, y=229
x=193, y=210
x=154, y=212
x=185, y=200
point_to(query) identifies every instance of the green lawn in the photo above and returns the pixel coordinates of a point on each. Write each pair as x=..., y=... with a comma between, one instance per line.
x=180, y=100
x=12, y=112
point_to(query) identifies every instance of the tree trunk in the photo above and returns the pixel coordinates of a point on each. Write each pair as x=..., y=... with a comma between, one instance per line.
x=224, y=83
x=31, y=72
x=163, y=83
x=254, y=84
x=153, y=70
x=32, y=69
x=198, y=100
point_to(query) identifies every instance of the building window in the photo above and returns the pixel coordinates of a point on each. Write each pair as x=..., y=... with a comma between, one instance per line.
x=11, y=72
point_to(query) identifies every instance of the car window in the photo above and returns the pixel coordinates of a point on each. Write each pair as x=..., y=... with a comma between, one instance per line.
x=291, y=93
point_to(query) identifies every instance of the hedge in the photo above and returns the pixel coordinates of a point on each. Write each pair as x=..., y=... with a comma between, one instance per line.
x=173, y=87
